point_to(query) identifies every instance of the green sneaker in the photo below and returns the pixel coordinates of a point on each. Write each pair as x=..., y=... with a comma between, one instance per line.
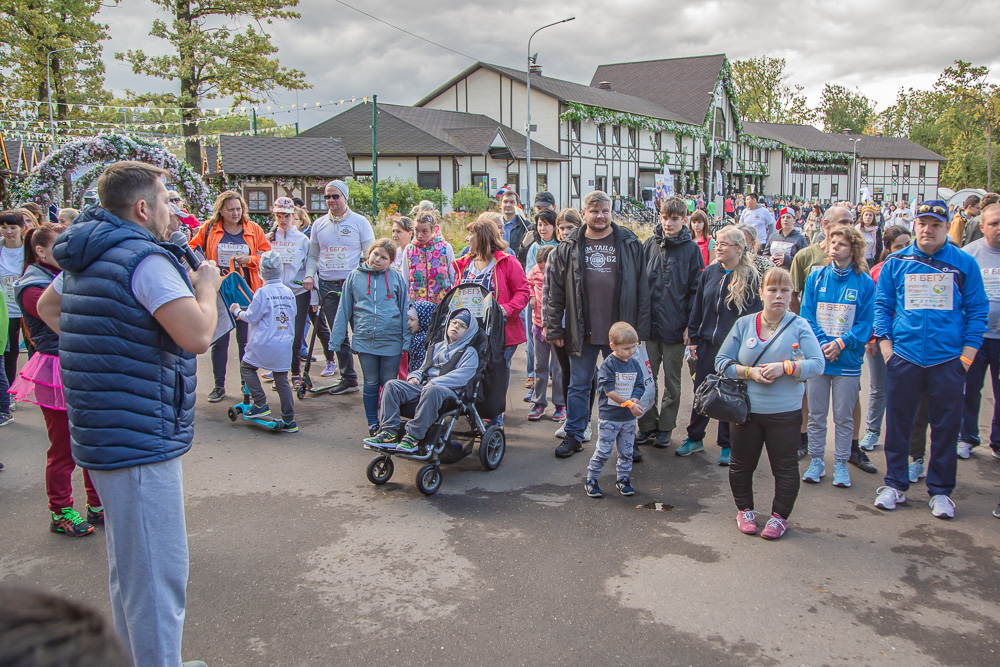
x=407, y=445
x=384, y=437
x=69, y=522
x=95, y=515
x=689, y=447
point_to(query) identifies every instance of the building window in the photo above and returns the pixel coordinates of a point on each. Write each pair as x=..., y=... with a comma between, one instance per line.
x=720, y=125
x=834, y=190
x=600, y=134
x=906, y=196
x=429, y=180
x=481, y=179
x=602, y=183
x=631, y=137
x=576, y=186
x=906, y=171
x=315, y=201
x=658, y=141
x=258, y=199
x=895, y=171
x=616, y=185
x=514, y=181
x=815, y=190
x=922, y=172
x=631, y=188
x=920, y=196
x=574, y=130
x=864, y=170
x=616, y=135
x=541, y=183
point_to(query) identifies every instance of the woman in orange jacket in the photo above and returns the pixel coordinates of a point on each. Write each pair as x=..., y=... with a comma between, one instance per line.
x=234, y=242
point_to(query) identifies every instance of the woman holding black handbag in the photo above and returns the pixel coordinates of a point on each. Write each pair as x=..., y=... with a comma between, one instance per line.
x=774, y=352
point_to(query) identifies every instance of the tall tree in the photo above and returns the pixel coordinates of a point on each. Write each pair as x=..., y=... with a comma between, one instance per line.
x=841, y=108
x=763, y=94
x=215, y=55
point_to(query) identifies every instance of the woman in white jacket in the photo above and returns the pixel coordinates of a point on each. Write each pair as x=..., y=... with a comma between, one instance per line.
x=293, y=248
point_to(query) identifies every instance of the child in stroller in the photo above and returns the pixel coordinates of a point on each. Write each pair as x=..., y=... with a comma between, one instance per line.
x=450, y=366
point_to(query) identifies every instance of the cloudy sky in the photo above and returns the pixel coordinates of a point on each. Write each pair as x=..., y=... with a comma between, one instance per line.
x=875, y=45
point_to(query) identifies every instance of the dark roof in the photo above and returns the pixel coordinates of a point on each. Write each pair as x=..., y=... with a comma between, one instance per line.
x=683, y=85
x=893, y=147
x=810, y=138
x=284, y=156
x=12, y=149
x=567, y=91
x=413, y=131
x=211, y=164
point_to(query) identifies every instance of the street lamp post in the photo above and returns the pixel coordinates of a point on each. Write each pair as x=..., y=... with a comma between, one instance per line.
x=528, y=124
x=855, y=186
x=48, y=83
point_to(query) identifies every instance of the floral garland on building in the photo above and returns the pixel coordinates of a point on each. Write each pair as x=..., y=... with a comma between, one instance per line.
x=45, y=181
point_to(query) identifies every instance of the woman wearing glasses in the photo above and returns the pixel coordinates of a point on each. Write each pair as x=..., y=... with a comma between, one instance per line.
x=727, y=289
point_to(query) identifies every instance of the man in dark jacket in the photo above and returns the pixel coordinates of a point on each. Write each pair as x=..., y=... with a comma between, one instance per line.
x=132, y=319
x=598, y=278
x=673, y=264
x=514, y=224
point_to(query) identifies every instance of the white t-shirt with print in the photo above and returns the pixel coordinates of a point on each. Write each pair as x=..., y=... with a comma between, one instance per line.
x=336, y=248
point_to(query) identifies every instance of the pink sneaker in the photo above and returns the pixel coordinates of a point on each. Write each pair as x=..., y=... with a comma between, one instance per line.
x=775, y=528
x=747, y=521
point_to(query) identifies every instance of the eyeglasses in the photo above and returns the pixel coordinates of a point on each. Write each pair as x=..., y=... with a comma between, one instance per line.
x=333, y=197
x=175, y=199
x=927, y=208
x=723, y=244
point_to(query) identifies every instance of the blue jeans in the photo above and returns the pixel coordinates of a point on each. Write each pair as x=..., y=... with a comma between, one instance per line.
x=377, y=370
x=581, y=375
x=987, y=359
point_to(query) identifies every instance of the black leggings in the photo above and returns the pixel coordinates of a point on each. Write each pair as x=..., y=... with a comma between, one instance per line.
x=779, y=433
x=10, y=357
x=562, y=356
x=220, y=352
x=302, y=309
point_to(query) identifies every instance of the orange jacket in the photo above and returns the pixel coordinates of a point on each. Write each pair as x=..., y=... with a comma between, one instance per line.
x=254, y=237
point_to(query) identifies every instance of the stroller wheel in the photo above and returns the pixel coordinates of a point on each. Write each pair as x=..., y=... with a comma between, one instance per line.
x=429, y=479
x=379, y=470
x=232, y=414
x=492, y=447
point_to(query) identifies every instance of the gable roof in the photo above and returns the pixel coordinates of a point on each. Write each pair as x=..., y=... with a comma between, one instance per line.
x=683, y=85
x=810, y=138
x=412, y=131
x=283, y=156
x=567, y=91
x=12, y=155
x=893, y=147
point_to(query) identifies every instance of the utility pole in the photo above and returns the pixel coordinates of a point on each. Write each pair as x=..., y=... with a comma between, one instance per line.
x=374, y=155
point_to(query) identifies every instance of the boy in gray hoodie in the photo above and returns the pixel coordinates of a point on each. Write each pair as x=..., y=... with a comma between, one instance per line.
x=450, y=366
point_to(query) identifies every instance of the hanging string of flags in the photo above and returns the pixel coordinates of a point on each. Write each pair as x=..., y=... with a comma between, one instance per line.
x=168, y=141
x=260, y=109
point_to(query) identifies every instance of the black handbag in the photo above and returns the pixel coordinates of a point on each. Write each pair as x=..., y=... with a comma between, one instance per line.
x=726, y=399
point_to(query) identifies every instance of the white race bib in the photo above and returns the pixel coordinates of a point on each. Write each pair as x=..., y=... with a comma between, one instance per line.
x=781, y=248
x=470, y=298
x=8, y=288
x=991, y=281
x=625, y=383
x=835, y=319
x=226, y=251
x=334, y=258
x=929, y=291
x=288, y=250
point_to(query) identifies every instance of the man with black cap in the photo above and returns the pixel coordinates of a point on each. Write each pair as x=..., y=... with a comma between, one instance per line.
x=544, y=200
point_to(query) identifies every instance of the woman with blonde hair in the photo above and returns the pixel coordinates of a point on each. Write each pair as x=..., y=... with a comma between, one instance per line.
x=727, y=289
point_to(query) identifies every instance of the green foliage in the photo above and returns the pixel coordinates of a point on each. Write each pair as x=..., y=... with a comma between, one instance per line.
x=842, y=109
x=763, y=94
x=471, y=198
x=394, y=195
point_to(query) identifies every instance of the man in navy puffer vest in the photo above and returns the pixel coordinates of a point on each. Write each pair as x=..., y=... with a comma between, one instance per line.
x=131, y=319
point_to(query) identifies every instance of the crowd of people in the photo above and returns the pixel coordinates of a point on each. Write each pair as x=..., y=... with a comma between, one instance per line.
x=792, y=305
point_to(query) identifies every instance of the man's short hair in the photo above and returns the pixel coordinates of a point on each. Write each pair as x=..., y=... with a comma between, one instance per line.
x=596, y=197
x=124, y=183
x=830, y=215
x=674, y=206
x=622, y=333
x=995, y=206
x=971, y=200
x=989, y=198
x=752, y=195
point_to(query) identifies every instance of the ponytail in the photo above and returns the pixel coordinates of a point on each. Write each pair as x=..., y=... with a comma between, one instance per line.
x=38, y=236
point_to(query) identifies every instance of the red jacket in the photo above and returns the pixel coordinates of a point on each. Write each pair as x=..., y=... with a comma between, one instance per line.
x=510, y=287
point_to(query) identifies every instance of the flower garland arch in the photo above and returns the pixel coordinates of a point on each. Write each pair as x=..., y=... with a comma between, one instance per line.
x=44, y=183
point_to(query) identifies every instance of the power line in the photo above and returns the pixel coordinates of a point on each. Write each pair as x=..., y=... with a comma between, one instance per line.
x=406, y=31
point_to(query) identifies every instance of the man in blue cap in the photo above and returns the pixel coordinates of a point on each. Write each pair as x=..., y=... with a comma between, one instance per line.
x=930, y=316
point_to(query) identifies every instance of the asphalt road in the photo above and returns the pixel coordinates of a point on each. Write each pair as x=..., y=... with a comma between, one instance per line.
x=297, y=560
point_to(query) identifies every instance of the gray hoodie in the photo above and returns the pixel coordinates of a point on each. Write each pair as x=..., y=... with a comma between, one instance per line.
x=442, y=353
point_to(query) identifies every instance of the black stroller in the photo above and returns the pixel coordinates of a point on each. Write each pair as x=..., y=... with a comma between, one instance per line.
x=484, y=397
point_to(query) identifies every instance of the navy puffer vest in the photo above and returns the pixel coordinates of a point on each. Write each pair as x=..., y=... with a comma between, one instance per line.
x=43, y=338
x=129, y=388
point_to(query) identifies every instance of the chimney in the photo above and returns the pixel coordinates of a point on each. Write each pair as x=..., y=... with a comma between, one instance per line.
x=604, y=85
x=534, y=68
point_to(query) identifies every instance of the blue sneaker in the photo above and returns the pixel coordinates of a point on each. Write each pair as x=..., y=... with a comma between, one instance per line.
x=815, y=472
x=689, y=447
x=593, y=489
x=625, y=487
x=258, y=411
x=724, y=457
x=869, y=442
x=841, y=477
x=916, y=471
x=289, y=426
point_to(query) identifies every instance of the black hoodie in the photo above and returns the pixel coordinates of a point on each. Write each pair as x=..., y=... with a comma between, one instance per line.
x=672, y=266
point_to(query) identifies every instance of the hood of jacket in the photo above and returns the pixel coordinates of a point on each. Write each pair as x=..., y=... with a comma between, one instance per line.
x=683, y=237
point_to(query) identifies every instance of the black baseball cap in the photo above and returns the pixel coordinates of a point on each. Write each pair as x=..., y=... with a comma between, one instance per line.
x=545, y=199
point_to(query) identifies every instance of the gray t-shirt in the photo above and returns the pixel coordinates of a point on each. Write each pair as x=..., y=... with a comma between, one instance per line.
x=988, y=259
x=599, y=282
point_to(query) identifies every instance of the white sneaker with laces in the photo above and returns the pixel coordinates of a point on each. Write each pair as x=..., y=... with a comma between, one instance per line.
x=888, y=498
x=329, y=369
x=942, y=507
x=964, y=450
x=587, y=434
x=561, y=431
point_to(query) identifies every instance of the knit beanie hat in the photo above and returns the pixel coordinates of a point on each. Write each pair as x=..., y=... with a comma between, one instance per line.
x=270, y=265
x=463, y=316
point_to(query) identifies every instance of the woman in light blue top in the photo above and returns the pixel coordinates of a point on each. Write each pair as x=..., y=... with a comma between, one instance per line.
x=774, y=371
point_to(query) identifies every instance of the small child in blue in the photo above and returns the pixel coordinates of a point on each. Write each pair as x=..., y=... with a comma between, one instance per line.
x=620, y=382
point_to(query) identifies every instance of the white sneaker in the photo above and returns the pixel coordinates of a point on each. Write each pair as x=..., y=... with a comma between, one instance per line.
x=869, y=442
x=964, y=450
x=329, y=369
x=561, y=431
x=888, y=497
x=587, y=433
x=267, y=375
x=916, y=471
x=942, y=507
x=995, y=453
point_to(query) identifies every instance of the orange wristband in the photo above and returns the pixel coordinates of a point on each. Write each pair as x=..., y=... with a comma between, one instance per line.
x=627, y=404
x=966, y=360
x=840, y=343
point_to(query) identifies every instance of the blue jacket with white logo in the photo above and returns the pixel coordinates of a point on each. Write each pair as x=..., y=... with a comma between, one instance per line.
x=930, y=306
x=840, y=308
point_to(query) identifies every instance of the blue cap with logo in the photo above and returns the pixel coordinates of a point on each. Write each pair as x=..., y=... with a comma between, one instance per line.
x=933, y=208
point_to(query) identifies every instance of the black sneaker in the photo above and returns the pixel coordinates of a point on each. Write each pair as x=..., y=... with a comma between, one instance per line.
x=860, y=459
x=6, y=418
x=258, y=411
x=289, y=426
x=95, y=516
x=643, y=437
x=625, y=487
x=570, y=445
x=593, y=489
x=803, y=445
x=636, y=454
x=345, y=386
x=662, y=440
x=216, y=395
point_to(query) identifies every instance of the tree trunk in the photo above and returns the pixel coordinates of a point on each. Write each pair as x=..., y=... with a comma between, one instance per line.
x=989, y=157
x=189, y=90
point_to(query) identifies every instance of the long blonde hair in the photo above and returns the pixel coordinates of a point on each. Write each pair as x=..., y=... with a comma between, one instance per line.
x=745, y=279
x=220, y=201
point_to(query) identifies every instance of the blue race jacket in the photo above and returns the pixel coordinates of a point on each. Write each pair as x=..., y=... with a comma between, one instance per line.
x=840, y=307
x=931, y=306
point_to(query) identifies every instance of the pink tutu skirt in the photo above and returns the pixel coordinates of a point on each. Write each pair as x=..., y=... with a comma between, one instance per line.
x=40, y=382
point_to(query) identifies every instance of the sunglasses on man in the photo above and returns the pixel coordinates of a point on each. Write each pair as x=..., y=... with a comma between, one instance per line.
x=333, y=197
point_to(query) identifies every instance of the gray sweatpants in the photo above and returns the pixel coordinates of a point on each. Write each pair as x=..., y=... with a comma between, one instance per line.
x=249, y=374
x=429, y=400
x=545, y=360
x=845, y=396
x=610, y=435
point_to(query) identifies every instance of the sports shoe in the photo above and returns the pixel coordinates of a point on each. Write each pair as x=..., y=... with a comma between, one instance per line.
x=869, y=442
x=560, y=414
x=662, y=440
x=372, y=430
x=841, y=477
x=529, y=383
x=296, y=382
x=774, y=528
x=636, y=454
x=1, y=466
x=385, y=437
x=268, y=376
x=964, y=450
x=216, y=395
x=408, y=444
x=95, y=515
x=689, y=447
x=593, y=489
x=329, y=369
x=942, y=507
x=803, y=445
x=344, y=387
x=536, y=412
x=569, y=446
x=528, y=396
x=258, y=410
x=746, y=520
x=643, y=437
x=624, y=486
x=888, y=498
x=587, y=434
x=861, y=460
x=6, y=418
x=815, y=472
x=561, y=431
x=996, y=512
x=725, y=457
x=916, y=471
x=69, y=522
x=289, y=426
x=995, y=452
